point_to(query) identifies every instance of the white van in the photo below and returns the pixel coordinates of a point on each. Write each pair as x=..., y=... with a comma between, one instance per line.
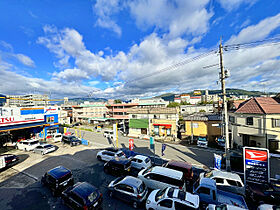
x=226, y=181
x=160, y=177
x=57, y=137
x=28, y=145
x=108, y=133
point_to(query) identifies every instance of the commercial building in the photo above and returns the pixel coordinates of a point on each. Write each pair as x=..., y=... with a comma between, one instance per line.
x=202, y=125
x=158, y=122
x=209, y=97
x=195, y=99
x=256, y=123
x=190, y=109
x=29, y=100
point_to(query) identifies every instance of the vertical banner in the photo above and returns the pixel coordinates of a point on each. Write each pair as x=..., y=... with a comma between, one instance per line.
x=131, y=144
x=163, y=147
x=76, y=133
x=65, y=129
x=217, y=161
x=80, y=133
x=256, y=165
x=152, y=146
x=115, y=129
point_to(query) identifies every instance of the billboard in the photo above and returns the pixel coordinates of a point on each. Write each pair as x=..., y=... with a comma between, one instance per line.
x=197, y=92
x=256, y=165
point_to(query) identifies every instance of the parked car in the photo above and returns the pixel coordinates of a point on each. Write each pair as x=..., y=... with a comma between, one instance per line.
x=173, y=199
x=129, y=189
x=185, y=167
x=208, y=193
x=58, y=179
x=236, y=161
x=220, y=142
x=202, y=142
x=141, y=162
x=160, y=177
x=108, y=155
x=75, y=124
x=10, y=159
x=72, y=140
x=44, y=149
x=226, y=181
x=268, y=207
x=27, y=145
x=108, y=134
x=223, y=207
x=57, y=137
x=268, y=193
x=118, y=167
x=82, y=196
x=197, y=171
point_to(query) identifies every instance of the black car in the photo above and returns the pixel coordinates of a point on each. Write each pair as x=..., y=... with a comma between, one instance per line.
x=10, y=159
x=118, y=167
x=72, y=140
x=82, y=196
x=236, y=161
x=58, y=179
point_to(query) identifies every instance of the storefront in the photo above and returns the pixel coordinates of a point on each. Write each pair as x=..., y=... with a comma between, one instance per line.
x=162, y=129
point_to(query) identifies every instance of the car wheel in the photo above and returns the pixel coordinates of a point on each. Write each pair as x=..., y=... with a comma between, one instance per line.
x=71, y=145
x=111, y=194
x=42, y=153
x=135, y=205
x=25, y=150
x=99, y=158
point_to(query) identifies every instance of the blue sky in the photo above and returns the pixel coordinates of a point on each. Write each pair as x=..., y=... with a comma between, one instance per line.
x=102, y=48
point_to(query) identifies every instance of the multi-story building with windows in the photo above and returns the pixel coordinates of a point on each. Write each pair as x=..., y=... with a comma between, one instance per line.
x=28, y=100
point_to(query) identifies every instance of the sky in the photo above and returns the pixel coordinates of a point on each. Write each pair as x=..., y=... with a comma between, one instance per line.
x=136, y=48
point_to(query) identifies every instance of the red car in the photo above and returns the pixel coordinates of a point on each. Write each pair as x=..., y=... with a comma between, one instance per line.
x=185, y=167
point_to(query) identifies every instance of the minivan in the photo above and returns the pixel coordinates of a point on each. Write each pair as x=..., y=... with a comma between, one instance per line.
x=160, y=177
x=185, y=167
x=28, y=145
x=108, y=134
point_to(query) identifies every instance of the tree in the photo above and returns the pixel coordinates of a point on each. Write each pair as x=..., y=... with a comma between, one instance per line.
x=118, y=101
x=184, y=103
x=202, y=110
x=173, y=104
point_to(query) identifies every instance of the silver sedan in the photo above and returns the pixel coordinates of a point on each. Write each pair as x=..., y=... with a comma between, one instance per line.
x=44, y=149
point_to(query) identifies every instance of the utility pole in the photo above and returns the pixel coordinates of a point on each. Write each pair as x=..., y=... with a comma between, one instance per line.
x=226, y=135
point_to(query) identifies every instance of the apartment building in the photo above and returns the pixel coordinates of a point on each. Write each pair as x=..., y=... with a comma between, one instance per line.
x=28, y=100
x=190, y=109
x=256, y=122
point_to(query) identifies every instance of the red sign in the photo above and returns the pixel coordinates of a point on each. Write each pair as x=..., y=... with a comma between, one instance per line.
x=251, y=154
x=131, y=144
x=6, y=119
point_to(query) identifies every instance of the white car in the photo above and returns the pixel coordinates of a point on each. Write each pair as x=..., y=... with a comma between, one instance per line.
x=141, y=162
x=106, y=155
x=268, y=207
x=223, y=207
x=108, y=134
x=44, y=149
x=57, y=137
x=202, y=142
x=27, y=145
x=173, y=199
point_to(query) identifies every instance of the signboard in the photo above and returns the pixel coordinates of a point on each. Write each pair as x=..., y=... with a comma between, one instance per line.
x=256, y=165
x=217, y=161
x=2, y=162
x=51, y=110
x=197, y=92
x=152, y=146
x=131, y=144
x=163, y=147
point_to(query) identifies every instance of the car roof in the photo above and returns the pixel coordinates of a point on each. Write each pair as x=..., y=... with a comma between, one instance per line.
x=191, y=199
x=112, y=149
x=120, y=161
x=140, y=157
x=227, y=175
x=167, y=171
x=29, y=140
x=180, y=164
x=84, y=189
x=208, y=182
x=131, y=181
x=59, y=172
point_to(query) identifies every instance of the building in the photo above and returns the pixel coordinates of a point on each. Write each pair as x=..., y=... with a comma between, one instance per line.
x=195, y=99
x=202, y=125
x=209, y=98
x=159, y=122
x=177, y=98
x=63, y=116
x=185, y=98
x=152, y=102
x=90, y=112
x=190, y=109
x=29, y=100
x=256, y=123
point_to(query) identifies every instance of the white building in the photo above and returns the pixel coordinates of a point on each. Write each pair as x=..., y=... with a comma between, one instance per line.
x=189, y=109
x=195, y=99
x=28, y=100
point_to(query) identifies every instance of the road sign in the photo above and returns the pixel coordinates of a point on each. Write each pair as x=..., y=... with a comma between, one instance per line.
x=218, y=161
x=163, y=147
x=131, y=144
x=256, y=165
x=152, y=145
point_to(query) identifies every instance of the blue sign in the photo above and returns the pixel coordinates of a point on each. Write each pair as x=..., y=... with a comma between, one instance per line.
x=217, y=161
x=152, y=145
x=163, y=148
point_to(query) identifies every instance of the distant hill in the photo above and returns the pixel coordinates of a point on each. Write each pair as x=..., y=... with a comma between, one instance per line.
x=81, y=100
x=229, y=91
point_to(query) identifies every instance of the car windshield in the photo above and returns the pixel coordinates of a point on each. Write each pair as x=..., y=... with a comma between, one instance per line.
x=73, y=138
x=34, y=142
x=160, y=194
x=141, y=188
x=120, y=154
x=208, y=174
x=65, y=177
x=92, y=196
x=47, y=146
x=58, y=136
x=201, y=139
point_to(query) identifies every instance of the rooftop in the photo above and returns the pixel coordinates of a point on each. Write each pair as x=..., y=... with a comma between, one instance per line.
x=203, y=117
x=152, y=110
x=259, y=105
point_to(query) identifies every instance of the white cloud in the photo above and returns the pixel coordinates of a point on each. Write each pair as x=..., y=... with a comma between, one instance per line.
x=234, y=4
x=70, y=75
x=256, y=32
x=104, y=9
x=177, y=17
x=6, y=45
x=93, y=83
x=25, y=60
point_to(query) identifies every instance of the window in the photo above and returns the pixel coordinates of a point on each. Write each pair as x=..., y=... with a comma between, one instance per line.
x=219, y=180
x=129, y=189
x=77, y=198
x=182, y=195
x=214, y=195
x=121, y=187
x=233, y=183
x=50, y=119
x=170, y=192
x=181, y=206
x=147, y=160
x=195, y=125
x=156, y=130
x=275, y=123
x=204, y=190
x=168, y=132
x=232, y=119
x=134, y=116
x=249, y=121
x=183, y=110
x=166, y=203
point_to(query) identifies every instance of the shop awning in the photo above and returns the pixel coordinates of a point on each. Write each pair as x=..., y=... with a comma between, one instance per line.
x=138, y=123
x=167, y=126
x=21, y=126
